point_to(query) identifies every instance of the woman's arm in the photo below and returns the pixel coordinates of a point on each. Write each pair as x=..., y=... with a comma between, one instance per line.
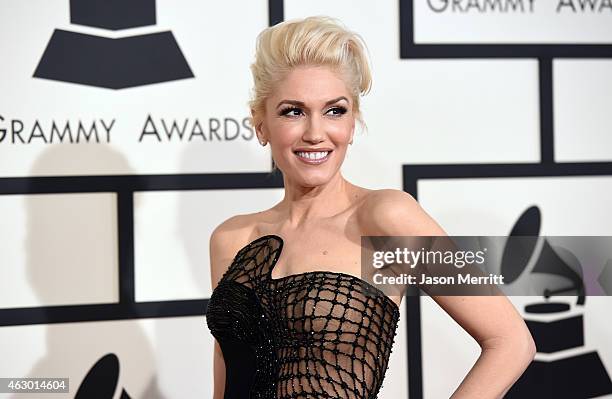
x=220, y=246
x=506, y=344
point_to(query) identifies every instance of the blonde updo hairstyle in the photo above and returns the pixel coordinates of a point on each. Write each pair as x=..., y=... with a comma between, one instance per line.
x=312, y=41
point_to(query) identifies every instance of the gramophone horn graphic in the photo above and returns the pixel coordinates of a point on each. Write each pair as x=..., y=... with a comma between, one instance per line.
x=101, y=380
x=576, y=376
x=114, y=63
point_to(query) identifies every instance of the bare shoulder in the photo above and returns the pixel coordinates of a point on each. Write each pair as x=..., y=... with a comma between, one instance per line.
x=225, y=241
x=230, y=231
x=395, y=212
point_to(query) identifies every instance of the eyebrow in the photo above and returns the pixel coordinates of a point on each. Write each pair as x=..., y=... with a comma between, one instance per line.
x=301, y=104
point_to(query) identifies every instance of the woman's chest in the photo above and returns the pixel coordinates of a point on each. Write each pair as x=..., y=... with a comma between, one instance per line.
x=334, y=247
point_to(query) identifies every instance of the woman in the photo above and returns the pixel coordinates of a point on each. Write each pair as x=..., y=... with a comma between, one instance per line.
x=290, y=314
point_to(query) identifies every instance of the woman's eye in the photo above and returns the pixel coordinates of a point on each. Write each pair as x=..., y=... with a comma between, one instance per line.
x=291, y=111
x=337, y=111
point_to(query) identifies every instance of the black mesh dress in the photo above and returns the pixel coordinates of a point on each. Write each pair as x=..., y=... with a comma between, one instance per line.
x=310, y=335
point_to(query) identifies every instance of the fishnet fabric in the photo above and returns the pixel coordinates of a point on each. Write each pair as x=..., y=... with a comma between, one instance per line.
x=317, y=334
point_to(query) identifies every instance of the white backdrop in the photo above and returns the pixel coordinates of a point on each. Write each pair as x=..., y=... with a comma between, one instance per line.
x=64, y=260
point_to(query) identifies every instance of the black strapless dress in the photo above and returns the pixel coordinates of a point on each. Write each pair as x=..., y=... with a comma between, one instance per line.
x=316, y=334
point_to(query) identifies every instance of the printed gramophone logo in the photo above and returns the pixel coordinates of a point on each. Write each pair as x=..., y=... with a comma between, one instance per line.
x=114, y=63
x=101, y=380
x=554, y=330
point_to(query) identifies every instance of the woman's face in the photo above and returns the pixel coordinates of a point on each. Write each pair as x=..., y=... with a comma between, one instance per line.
x=309, y=123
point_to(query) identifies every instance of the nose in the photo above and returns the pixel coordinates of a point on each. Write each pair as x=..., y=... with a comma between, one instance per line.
x=315, y=130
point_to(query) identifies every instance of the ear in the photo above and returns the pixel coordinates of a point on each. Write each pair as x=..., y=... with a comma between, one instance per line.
x=259, y=130
x=258, y=127
x=352, y=133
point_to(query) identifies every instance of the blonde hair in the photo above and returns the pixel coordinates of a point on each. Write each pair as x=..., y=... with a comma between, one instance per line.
x=312, y=41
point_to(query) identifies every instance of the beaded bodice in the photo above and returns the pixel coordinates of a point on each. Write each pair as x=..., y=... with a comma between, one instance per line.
x=317, y=334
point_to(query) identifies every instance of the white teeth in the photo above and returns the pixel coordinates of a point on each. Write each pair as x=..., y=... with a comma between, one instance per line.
x=313, y=155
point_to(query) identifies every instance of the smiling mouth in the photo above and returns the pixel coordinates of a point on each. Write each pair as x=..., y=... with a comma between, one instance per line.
x=313, y=157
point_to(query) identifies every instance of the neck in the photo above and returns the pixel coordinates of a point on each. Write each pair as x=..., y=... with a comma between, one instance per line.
x=302, y=206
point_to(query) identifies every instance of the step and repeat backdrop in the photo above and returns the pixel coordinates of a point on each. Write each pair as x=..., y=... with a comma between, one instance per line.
x=124, y=141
